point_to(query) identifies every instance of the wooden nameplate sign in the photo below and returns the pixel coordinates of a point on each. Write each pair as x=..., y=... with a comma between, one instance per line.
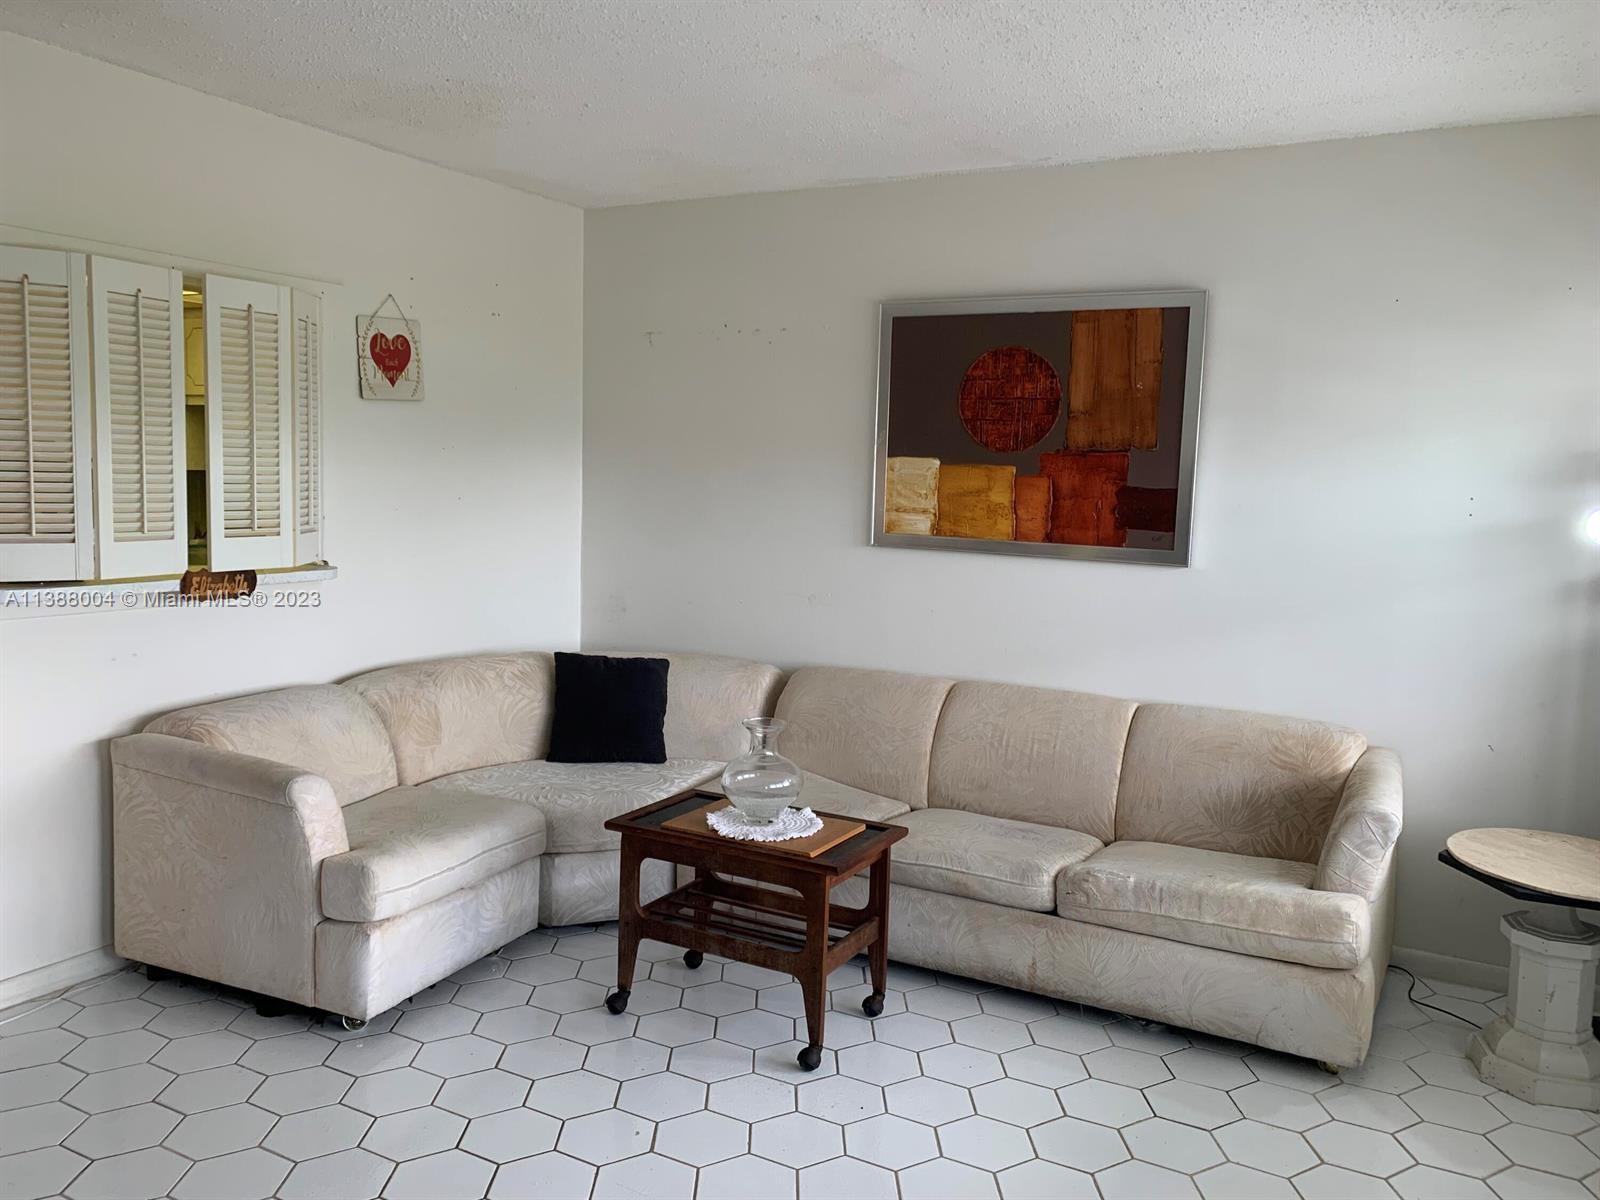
x=834, y=830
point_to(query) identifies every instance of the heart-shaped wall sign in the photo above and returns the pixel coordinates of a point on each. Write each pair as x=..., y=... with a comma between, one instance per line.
x=391, y=355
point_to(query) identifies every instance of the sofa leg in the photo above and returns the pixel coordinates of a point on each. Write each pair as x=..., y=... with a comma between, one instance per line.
x=1329, y=1067
x=353, y=1024
x=156, y=974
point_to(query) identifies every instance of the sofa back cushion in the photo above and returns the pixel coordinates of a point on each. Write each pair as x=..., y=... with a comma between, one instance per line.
x=707, y=696
x=322, y=728
x=1239, y=782
x=1031, y=754
x=454, y=714
x=872, y=730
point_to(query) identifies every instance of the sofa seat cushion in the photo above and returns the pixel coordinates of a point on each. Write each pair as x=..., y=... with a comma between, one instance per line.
x=577, y=799
x=829, y=796
x=1265, y=907
x=1014, y=863
x=410, y=845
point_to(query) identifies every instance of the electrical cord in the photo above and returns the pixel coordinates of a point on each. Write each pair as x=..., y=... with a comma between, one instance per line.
x=1411, y=995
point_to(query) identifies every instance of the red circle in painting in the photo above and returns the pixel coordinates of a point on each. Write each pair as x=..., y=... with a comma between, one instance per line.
x=1010, y=398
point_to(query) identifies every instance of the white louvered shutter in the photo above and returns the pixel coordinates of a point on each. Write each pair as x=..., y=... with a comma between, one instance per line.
x=249, y=423
x=307, y=313
x=140, y=487
x=46, y=509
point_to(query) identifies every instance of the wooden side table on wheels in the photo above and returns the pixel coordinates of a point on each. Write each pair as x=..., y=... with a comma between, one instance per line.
x=717, y=912
x=1542, y=1049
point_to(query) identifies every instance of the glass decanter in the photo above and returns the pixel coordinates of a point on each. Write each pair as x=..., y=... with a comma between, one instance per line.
x=761, y=783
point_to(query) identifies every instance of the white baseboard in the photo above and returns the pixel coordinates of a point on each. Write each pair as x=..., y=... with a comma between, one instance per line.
x=42, y=981
x=1426, y=964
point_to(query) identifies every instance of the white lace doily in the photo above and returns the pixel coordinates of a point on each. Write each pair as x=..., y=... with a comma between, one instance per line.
x=790, y=823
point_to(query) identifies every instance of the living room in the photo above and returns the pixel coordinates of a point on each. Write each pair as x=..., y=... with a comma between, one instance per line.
x=1212, y=796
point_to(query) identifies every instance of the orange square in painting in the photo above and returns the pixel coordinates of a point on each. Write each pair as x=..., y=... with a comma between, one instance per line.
x=976, y=501
x=1084, y=491
x=1033, y=508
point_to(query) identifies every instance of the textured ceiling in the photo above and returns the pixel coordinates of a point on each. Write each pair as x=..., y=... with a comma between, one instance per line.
x=603, y=102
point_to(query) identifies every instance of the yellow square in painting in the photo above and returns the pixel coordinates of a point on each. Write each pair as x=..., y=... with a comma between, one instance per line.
x=977, y=501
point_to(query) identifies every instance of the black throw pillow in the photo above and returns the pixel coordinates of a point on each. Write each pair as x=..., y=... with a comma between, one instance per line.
x=609, y=709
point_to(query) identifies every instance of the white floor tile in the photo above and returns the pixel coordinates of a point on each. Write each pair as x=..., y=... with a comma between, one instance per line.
x=414, y=1133
x=451, y=1175
x=483, y=1092
x=550, y=1174
x=1430, y=1183
x=1169, y=1144
x=1080, y=1144
x=839, y=1178
x=1104, y=1103
x=796, y=1139
x=1043, y=1065
x=1372, y=1110
x=605, y=1137
x=1453, y=1150
x=221, y=1131
x=1338, y=1183
x=746, y=1178
x=44, y=1172
x=1041, y=1180
x=1284, y=1107
x=648, y=1177
x=347, y=1175
x=144, y=1173
x=245, y=1175
x=1231, y=1181
x=840, y=1099
x=1525, y=1183
x=507, y=1136
x=1555, y=1153
x=1144, y=1181
x=1224, y=1071
x=1266, y=1148
x=1016, y=1102
x=983, y=1142
x=943, y=1178
x=1192, y=1104
x=1458, y=1110
x=702, y=1138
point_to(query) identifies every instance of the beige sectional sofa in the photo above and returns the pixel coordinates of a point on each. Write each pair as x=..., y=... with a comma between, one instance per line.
x=345, y=846
x=1223, y=871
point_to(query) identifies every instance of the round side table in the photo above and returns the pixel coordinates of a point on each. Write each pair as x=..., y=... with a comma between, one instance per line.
x=1542, y=1049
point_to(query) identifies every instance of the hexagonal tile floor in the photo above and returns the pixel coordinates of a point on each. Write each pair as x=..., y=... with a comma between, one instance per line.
x=510, y=1080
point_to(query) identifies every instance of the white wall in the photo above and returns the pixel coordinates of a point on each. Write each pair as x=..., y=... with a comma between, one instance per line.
x=1401, y=426
x=485, y=473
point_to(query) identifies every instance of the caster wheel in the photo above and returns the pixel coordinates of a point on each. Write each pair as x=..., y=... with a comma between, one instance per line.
x=353, y=1024
x=873, y=1004
x=810, y=1058
x=618, y=1001
x=693, y=958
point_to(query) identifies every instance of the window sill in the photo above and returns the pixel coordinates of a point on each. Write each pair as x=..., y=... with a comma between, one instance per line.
x=20, y=601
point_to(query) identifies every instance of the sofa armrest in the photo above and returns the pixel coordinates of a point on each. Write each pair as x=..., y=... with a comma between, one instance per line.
x=1365, y=827
x=216, y=860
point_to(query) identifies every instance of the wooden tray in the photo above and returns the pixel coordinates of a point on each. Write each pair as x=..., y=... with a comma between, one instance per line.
x=834, y=830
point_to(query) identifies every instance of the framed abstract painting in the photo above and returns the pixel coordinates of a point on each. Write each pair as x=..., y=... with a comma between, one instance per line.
x=1056, y=426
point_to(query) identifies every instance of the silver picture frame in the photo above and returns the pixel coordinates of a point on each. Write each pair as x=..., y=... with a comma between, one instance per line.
x=1178, y=556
